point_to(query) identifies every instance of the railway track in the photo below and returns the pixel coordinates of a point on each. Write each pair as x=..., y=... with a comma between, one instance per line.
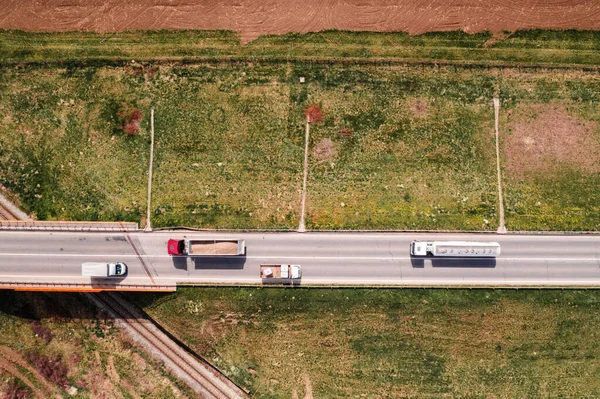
x=7, y=214
x=200, y=376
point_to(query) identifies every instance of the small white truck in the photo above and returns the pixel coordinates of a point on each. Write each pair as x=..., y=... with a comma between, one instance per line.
x=455, y=248
x=284, y=272
x=95, y=269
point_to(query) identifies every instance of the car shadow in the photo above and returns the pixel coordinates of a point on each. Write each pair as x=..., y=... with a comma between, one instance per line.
x=106, y=282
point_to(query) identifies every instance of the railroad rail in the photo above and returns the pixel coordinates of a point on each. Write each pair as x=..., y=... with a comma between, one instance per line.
x=7, y=214
x=8, y=210
x=199, y=375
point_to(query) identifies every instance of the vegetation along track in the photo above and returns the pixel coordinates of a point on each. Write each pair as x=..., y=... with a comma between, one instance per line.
x=201, y=377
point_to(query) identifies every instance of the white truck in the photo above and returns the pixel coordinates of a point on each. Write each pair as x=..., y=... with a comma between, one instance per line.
x=95, y=269
x=206, y=247
x=285, y=272
x=455, y=248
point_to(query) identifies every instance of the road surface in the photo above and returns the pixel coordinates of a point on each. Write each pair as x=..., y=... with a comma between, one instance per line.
x=327, y=259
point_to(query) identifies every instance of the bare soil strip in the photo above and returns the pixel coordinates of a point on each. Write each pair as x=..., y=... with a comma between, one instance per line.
x=8, y=361
x=254, y=18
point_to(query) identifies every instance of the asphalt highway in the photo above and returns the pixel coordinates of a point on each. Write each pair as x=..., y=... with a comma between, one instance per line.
x=347, y=259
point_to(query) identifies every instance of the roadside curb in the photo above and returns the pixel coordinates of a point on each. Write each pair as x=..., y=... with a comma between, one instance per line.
x=308, y=231
x=45, y=225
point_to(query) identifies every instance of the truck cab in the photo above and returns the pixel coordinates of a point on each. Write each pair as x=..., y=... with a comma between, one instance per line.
x=176, y=247
x=418, y=248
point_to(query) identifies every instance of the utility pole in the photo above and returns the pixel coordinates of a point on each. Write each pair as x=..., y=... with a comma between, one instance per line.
x=301, y=227
x=148, y=225
x=501, y=226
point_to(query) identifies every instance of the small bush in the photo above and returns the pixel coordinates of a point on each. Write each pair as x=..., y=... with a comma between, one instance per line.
x=42, y=332
x=314, y=113
x=16, y=391
x=346, y=133
x=129, y=119
x=50, y=368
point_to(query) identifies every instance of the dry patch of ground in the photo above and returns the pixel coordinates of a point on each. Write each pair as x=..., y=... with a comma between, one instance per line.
x=544, y=137
x=420, y=107
x=325, y=150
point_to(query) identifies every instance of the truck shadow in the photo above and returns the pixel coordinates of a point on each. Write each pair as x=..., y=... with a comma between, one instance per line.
x=219, y=262
x=464, y=262
x=419, y=262
x=280, y=281
x=180, y=262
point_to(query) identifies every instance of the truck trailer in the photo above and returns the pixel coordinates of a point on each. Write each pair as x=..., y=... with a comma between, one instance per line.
x=288, y=272
x=96, y=269
x=455, y=248
x=205, y=247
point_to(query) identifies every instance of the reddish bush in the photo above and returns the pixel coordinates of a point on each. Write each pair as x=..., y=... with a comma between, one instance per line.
x=42, y=332
x=314, y=113
x=346, y=132
x=16, y=391
x=51, y=368
x=130, y=119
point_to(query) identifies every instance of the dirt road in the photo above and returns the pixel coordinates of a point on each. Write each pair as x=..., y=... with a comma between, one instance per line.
x=256, y=17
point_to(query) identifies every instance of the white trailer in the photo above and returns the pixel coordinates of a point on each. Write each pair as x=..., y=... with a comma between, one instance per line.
x=455, y=248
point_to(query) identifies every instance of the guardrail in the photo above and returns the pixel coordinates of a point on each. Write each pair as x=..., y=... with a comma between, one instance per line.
x=75, y=287
x=67, y=226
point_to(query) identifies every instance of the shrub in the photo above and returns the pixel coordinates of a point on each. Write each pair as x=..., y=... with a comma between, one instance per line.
x=16, y=391
x=51, y=368
x=129, y=119
x=42, y=332
x=346, y=132
x=314, y=113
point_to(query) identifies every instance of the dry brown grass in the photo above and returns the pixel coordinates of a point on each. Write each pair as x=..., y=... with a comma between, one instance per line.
x=325, y=150
x=544, y=136
x=420, y=107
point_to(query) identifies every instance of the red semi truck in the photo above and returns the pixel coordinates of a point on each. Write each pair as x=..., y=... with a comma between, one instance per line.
x=206, y=247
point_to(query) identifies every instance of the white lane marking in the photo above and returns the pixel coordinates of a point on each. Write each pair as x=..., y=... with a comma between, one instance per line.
x=355, y=281
x=500, y=259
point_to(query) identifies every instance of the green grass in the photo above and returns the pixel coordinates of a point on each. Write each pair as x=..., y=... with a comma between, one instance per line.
x=230, y=137
x=392, y=343
x=523, y=47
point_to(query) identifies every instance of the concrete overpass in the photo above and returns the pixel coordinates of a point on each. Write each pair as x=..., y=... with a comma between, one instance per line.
x=31, y=258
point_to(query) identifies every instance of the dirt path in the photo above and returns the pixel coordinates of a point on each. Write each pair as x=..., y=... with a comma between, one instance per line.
x=256, y=17
x=8, y=361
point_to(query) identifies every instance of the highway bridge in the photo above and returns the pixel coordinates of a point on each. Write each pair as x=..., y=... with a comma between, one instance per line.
x=42, y=260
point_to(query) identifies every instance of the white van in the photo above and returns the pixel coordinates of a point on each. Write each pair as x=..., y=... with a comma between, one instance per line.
x=95, y=269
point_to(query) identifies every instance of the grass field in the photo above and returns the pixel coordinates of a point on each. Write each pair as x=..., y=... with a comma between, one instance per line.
x=400, y=147
x=526, y=47
x=72, y=344
x=392, y=343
